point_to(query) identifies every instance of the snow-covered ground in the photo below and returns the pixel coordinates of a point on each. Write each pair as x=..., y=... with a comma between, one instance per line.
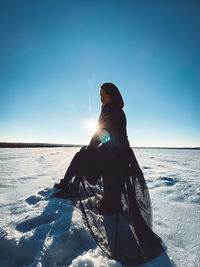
x=39, y=230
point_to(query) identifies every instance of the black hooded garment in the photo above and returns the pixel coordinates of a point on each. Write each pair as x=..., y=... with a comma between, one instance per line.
x=113, y=194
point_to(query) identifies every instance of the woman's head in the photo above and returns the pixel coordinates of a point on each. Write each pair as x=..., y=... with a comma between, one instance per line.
x=110, y=93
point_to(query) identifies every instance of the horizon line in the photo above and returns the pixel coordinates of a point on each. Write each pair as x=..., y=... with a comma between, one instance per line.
x=42, y=144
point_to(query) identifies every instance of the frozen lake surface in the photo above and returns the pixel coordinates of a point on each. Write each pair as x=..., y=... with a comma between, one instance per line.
x=39, y=230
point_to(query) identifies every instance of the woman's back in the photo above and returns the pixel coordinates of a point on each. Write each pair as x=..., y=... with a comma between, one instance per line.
x=111, y=127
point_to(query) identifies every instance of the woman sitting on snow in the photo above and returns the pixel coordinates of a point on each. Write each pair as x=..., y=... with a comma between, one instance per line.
x=107, y=179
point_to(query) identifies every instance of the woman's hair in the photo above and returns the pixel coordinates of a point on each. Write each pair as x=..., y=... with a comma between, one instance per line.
x=114, y=93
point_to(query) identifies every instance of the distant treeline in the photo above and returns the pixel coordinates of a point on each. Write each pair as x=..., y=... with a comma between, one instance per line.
x=18, y=145
x=189, y=148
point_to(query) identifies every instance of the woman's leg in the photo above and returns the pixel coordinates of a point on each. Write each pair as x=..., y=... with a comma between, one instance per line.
x=113, y=186
x=75, y=169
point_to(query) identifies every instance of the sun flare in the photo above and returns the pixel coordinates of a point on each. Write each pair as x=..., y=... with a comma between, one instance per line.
x=91, y=125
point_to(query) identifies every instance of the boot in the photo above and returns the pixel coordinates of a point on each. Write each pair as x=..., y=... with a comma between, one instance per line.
x=71, y=191
x=61, y=185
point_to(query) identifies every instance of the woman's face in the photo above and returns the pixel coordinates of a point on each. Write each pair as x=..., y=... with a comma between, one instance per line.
x=105, y=98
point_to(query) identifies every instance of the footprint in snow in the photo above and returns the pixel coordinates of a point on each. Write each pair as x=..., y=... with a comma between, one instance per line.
x=32, y=200
x=45, y=194
x=48, y=192
x=25, y=178
x=146, y=168
x=34, y=222
x=168, y=180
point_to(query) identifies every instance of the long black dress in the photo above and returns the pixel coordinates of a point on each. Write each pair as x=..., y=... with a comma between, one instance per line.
x=113, y=195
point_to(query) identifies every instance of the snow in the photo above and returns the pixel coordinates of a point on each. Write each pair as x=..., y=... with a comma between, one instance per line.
x=39, y=230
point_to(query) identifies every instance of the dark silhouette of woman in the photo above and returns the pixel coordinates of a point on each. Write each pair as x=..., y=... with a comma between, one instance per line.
x=111, y=190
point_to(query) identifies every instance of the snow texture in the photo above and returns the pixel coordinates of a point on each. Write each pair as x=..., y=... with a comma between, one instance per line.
x=38, y=230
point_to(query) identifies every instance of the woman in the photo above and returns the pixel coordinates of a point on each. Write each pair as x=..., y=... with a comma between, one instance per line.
x=113, y=195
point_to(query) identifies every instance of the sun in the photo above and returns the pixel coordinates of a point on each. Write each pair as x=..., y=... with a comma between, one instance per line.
x=91, y=125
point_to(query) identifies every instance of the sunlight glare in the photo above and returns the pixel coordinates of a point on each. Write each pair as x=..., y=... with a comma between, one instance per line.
x=91, y=125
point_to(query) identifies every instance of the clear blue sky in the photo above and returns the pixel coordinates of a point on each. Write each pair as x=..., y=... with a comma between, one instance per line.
x=55, y=54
